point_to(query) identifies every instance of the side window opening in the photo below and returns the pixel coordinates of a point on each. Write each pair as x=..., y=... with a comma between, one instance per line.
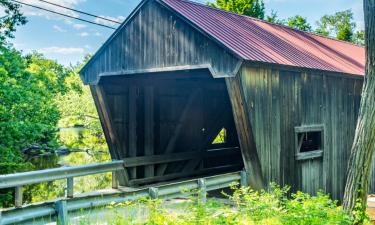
x=309, y=141
x=221, y=137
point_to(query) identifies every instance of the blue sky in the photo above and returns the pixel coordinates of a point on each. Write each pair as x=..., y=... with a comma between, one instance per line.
x=68, y=40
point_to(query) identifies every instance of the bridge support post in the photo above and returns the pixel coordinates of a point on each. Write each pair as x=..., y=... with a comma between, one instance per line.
x=153, y=192
x=69, y=187
x=61, y=212
x=18, y=196
x=244, y=179
x=202, y=192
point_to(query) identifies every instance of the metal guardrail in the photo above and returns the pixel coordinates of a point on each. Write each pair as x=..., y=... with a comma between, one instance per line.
x=58, y=210
x=18, y=180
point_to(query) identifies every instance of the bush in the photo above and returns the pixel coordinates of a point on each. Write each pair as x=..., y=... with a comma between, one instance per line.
x=245, y=206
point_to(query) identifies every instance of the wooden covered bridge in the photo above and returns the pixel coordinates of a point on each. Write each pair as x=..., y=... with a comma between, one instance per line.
x=177, y=74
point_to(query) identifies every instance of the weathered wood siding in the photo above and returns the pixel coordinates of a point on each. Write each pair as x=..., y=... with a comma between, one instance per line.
x=155, y=39
x=278, y=101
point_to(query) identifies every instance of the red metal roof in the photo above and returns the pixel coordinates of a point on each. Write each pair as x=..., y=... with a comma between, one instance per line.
x=257, y=40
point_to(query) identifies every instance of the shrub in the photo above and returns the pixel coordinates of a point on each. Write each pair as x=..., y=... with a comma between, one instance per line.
x=245, y=206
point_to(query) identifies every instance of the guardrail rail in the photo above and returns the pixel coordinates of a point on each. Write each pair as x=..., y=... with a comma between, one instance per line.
x=59, y=209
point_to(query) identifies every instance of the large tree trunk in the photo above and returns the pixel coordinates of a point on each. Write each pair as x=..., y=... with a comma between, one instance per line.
x=364, y=140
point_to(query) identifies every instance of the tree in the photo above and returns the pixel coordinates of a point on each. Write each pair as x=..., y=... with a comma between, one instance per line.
x=339, y=25
x=274, y=18
x=298, y=22
x=359, y=37
x=12, y=18
x=253, y=8
x=364, y=140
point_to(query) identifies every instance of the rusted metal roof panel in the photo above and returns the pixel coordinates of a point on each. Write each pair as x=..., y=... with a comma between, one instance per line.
x=260, y=41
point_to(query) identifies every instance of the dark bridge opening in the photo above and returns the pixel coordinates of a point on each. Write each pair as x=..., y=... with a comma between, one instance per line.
x=168, y=126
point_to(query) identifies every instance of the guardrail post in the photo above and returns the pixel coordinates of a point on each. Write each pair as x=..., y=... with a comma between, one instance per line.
x=61, y=212
x=69, y=187
x=244, y=179
x=153, y=192
x=114, y=180
x=18, y=196
x=202, y=192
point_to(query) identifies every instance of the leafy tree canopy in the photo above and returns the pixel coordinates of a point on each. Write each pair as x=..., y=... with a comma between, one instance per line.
x=253, y=8
x=298, y=22
x=12, y=18
x=359, y=37
x=274, y=18
x=28, y=113
x=339, y=25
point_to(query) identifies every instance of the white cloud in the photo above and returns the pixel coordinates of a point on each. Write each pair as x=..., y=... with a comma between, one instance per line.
x=109, y=23
x=83, y=34
x=30, y=11
x=98, y=34
x=87, y=46
x=61, y=50
x=79, y=26
x=59, y=29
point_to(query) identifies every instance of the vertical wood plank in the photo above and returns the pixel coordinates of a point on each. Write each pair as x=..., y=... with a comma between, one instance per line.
x=172, y=141
x=132, y=128
x=149, y=128
x=108, y=125
x=245, y=133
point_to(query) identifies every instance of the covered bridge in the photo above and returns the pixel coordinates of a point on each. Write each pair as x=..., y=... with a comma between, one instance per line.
x=184, y=90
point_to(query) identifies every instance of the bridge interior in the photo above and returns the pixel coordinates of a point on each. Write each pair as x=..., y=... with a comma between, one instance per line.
x=168, y=126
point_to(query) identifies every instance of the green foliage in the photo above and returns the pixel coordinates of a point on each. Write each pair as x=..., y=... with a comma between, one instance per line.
x=340, y=25
x=274, y=18
x=245, y=206
x=359, y=37
x=12, y=18
x=28, y=114
x=253, y=8
x=298, y=22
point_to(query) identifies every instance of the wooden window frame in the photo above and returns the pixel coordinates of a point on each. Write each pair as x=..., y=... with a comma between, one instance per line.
x=310, y=154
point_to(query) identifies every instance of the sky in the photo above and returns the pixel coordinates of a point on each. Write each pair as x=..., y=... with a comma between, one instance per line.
x=67, y=40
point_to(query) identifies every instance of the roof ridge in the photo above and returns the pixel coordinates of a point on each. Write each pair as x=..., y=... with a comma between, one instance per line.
x=273, y=24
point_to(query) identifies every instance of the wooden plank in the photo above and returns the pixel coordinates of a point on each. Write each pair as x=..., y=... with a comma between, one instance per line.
x=107, y=123
x=245, y=133
x=309, y=155
x=149, y=128
x=175, y=157
x=172, y=176
x=104, y=122
x=132, y=115
x=172, y=141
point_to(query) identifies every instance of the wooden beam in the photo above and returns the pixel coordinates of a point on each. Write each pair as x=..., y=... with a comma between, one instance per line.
x=245, y=133
x=149, y=128
x=132, y=115
x=218, y=122
x=109, y=129
x=175, y=157
x=171, y=176
x=172, y=141
x=103, y=117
